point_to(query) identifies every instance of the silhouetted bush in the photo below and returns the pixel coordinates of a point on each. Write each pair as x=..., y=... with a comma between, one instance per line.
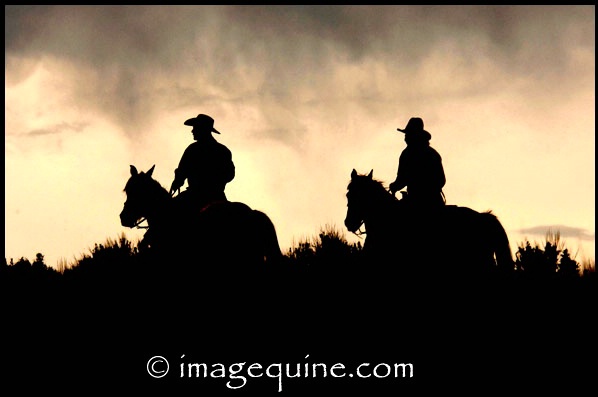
x=327, y=251
x=112, y=259
x=120, y=261
x=24, y=272
x=551, y=261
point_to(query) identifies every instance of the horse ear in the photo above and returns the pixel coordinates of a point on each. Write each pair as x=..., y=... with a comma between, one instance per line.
x=149, y=172
x=134, y=170
x=353, y=173
x=371, y=174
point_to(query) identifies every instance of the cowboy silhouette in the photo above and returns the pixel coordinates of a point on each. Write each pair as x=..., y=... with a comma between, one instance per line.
x=206, y=164
x=420, y=168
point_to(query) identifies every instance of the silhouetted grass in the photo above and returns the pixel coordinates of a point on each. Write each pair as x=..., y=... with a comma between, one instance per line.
x=329, y=250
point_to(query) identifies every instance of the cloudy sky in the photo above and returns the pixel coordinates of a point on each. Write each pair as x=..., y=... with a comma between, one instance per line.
x=301, y=95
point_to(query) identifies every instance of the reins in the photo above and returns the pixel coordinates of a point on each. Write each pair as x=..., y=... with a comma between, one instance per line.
x=359, y=233
x=144, y=219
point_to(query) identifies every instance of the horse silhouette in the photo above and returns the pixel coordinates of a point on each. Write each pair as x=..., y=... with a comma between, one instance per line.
x=221, y=234
x=452, y=239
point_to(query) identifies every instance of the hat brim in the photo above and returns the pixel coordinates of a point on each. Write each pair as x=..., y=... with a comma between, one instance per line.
x=416, y=131
x=423, y=132
x=193, y=122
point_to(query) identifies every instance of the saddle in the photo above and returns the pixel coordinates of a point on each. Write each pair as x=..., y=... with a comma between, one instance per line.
x=423, y=202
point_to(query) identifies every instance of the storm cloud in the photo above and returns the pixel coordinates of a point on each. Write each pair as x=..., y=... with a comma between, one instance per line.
x=129, y=61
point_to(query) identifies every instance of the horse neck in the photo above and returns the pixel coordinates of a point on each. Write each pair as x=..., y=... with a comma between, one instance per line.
x=159, y=211
x=383, y=208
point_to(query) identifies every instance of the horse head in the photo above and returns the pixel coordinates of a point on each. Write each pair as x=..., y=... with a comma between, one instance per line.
x=365, y=196
x=142, y=194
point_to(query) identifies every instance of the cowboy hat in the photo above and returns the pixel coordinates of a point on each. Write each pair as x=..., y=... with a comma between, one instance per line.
x=415, y=125
x=202, y=120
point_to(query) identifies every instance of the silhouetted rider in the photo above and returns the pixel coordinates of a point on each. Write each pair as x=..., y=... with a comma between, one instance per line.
x=206, y=164
x=420, y=168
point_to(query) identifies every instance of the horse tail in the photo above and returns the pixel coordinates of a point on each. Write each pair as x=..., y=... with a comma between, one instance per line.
x=500, y=243
x=268, y=237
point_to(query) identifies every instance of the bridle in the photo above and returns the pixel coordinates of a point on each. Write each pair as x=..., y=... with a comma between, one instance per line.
x=139, y=222
x=359, y=232
x=144, y=219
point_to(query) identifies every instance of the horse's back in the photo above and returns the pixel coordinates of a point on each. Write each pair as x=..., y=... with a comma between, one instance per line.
x=452, y=241
x=233, y=231
x=222, y=236
x=482, y=235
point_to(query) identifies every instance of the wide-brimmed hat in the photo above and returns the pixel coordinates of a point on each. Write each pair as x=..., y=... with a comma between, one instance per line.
x=202, y=120
x=415, y=125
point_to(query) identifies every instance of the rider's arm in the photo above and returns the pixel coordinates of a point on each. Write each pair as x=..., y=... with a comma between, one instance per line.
x=229, y=170
x=440, y=176
x=401, y=180
x=180, y=173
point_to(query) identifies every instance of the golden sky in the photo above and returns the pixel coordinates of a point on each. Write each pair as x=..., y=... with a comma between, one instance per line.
x=301, y=95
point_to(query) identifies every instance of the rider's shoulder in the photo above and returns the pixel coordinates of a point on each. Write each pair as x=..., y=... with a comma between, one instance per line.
x=223, y=147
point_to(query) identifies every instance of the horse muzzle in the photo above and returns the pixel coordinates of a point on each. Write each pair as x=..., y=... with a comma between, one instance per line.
x=352, y=225
x=127, y=221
